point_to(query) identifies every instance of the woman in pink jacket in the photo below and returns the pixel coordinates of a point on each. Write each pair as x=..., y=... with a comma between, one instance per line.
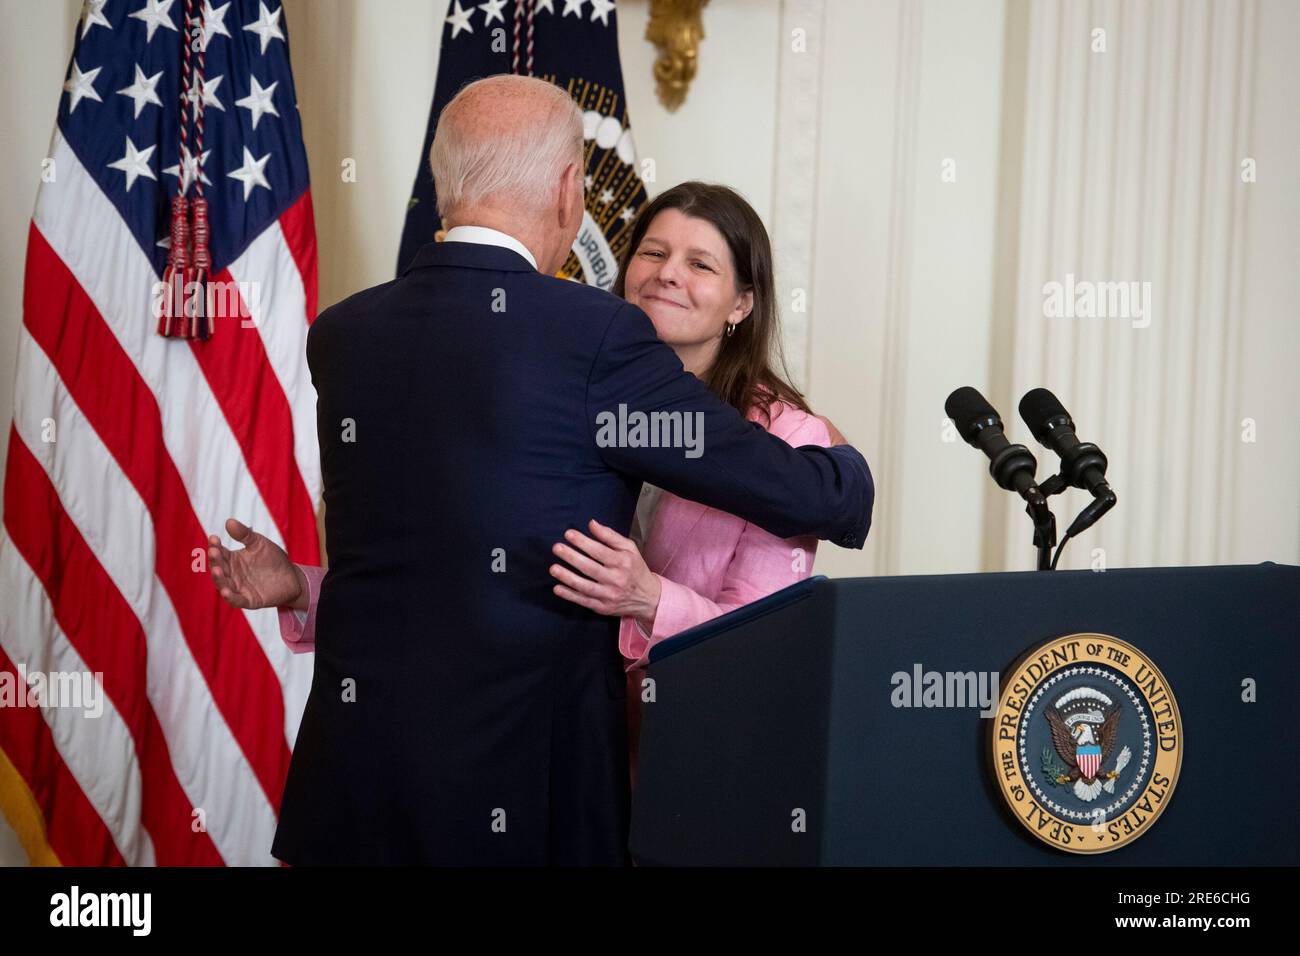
x=699, y=264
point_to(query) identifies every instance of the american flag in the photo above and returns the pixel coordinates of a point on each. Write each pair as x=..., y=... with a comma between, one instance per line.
x=128, y=448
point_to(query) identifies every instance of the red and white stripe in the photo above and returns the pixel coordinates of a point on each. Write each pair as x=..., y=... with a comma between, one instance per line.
x=157, y=442
x=1089, y=764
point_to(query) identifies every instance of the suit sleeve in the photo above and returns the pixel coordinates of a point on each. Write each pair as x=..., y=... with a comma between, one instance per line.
x=721, y=459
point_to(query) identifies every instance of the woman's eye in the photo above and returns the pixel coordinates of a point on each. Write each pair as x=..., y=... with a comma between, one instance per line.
x=703, y=265
x=650, y=252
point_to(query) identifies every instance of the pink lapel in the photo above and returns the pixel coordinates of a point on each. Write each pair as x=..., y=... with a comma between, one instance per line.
x=674, y=520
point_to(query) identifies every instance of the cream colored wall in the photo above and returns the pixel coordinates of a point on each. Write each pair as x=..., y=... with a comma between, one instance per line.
x=1260, y=519
x=34, y=50
x=1131, y=170
x=34, y=57
x=903, y=268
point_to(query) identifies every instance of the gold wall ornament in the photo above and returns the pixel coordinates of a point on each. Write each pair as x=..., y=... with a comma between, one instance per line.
x=676, y=29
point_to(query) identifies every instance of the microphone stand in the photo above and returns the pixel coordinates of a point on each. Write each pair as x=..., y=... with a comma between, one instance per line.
x=1012, y=467
x=1103, y=500
x=1044, y=527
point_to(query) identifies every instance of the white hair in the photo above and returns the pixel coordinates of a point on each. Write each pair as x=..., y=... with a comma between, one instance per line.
x=488, y=149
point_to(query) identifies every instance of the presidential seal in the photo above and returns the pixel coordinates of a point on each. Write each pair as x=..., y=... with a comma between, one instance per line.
x=1087, y=743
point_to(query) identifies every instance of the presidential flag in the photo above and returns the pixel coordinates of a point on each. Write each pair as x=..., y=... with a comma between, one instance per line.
x=575, y=46
x=142, y=720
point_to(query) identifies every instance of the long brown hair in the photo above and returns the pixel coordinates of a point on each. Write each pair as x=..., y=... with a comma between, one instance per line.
x=745, y=373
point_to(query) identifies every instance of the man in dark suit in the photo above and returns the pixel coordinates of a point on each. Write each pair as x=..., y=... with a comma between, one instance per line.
x=460, y=712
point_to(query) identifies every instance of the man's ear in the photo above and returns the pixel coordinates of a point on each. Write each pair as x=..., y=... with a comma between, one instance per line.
x=570, y=184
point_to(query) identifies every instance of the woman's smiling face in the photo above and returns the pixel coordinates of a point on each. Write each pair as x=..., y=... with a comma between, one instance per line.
x=683, y=278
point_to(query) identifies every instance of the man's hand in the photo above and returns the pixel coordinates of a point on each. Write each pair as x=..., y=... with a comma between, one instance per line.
x=258, y=575
x=836, y=437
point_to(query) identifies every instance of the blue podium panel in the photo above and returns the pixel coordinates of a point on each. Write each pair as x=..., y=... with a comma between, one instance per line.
x=792, y=732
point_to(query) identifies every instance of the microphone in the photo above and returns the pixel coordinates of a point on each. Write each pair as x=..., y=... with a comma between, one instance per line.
x=1083, y=465
x=978, y=423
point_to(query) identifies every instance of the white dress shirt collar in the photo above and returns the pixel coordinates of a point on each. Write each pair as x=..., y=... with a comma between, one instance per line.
x=484, y=236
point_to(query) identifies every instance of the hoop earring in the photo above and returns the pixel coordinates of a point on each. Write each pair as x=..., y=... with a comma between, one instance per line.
x=731, y=329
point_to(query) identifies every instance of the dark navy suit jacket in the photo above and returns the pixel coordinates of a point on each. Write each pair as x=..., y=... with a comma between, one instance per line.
x=460, y=712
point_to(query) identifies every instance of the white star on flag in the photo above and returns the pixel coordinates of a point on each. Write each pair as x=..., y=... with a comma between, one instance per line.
x=209, y=89
x=92, y=15
x=214, y=22
x=627, y=215
x=547, y=5
x=252, y=173
x=492, y=9
x=588, y=181
x=154, y=14
x=459, y=20
x=601, y=9
x=606, y=197
x=135, y=163
x=186, y=169
x=81, y=85
x=142, y=91
x=267, y=26
x=258, y=101
x=574, y=7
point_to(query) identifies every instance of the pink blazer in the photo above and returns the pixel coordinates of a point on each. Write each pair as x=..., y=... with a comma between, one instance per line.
x=708, y=561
